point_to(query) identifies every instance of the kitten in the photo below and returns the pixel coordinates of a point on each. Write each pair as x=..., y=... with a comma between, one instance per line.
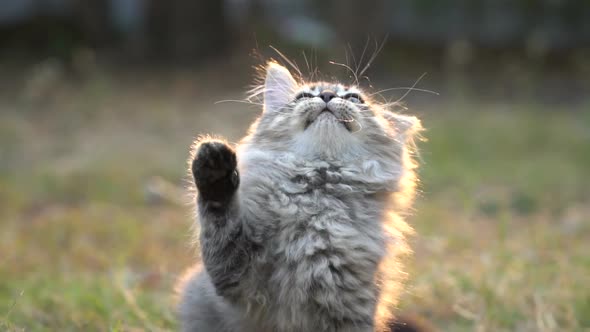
x=301, y=225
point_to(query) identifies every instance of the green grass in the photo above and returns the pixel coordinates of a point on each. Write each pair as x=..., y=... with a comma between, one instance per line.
x=502, y=220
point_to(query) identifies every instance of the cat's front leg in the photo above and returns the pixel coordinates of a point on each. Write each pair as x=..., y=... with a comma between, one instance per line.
x=225, y=247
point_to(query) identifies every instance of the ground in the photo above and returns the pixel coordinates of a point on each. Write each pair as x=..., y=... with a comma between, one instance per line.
x=94, y=223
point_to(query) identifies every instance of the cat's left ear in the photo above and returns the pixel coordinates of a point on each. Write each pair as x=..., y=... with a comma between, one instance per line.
x=406, y=127
x=279, y=87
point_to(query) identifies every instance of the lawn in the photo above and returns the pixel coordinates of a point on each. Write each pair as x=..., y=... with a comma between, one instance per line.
x=94, y=224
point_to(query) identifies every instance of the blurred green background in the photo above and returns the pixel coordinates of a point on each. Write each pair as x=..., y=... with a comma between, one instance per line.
x=100, y=101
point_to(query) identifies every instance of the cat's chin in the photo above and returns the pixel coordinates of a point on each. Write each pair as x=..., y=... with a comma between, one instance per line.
x=325, y=137
x=326, y=120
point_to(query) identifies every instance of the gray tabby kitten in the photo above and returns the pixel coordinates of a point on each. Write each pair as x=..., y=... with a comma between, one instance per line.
x=301, y=225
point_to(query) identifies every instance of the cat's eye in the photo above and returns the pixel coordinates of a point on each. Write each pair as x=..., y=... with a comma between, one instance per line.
x=303, y=95
x=354, y=97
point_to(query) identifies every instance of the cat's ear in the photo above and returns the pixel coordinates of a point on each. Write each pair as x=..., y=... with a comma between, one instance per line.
x=279, y=87
x=406, y=127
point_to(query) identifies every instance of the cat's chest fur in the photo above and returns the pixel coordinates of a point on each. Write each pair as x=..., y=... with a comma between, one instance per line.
x=310, y=204
x=321, y=240
x=318, y=214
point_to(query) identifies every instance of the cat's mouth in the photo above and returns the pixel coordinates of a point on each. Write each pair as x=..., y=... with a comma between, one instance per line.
x=327, y=113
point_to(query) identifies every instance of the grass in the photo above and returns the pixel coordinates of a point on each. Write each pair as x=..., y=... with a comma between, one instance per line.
x=91, y=239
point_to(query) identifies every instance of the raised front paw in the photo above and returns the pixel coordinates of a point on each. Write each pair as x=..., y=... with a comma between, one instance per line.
x=215, y=171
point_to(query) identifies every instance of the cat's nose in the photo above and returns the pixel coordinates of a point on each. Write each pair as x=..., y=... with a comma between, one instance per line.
x=327, y=95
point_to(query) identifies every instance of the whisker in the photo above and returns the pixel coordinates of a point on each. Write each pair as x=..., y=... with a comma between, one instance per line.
x=405, y=88
x=306, y=62
x=363, y=54
x=360, y=128
x=316, y=69
x=347, y=67
x=237, y=101
x=345, y=120
x=291, y=63
x=374, y=56
x=255, y=91
x=356, y=67
x=413, y=86
x=347, y=61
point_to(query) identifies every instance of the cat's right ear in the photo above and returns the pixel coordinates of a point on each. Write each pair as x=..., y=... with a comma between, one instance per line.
x=279, y=87
x=406, y=127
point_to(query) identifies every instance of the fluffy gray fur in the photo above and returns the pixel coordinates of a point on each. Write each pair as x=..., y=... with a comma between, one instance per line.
x=313, y=238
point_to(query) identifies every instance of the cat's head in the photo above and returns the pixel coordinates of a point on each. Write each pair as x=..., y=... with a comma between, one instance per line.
x=327, y=120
